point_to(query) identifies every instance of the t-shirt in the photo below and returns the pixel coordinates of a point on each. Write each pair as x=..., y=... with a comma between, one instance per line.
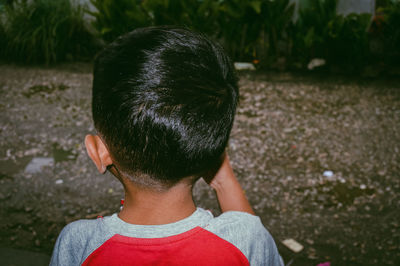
x=233, y=238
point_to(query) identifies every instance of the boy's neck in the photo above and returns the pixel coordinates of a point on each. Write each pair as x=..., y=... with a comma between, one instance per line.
x=147, y=207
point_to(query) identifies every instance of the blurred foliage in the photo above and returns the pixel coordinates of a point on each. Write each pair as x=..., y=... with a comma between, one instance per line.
x=238, y=24
x=2, y=37
x=252, y=29
x=277, y=21
x=389, y=31
x=2, y=30
x=310, y=33
x=195, y=14
x=239, y=27
x=45, y=31
x=262, y=31
x=114, y=18
x=347, y=40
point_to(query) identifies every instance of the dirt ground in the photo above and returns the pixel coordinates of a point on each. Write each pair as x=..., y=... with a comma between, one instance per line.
x=318, y=156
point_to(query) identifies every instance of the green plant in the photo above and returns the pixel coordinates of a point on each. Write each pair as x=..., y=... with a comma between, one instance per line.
x=194, y=14
x=276, y=19
x=2, y=32
x=239, y=27
x=248, y=29
x=114, y=18
x=347, y=40
x=391, y=31
x=2, y=40
x=310, y=31
x=340, y=40
x=46, y=31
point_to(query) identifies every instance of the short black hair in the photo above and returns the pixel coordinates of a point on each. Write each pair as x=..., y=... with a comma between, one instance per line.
x=164, y=100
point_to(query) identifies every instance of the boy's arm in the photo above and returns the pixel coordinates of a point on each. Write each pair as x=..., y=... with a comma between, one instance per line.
x=230, y=194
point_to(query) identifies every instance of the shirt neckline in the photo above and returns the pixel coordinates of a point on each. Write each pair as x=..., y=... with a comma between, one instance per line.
x=199, y=218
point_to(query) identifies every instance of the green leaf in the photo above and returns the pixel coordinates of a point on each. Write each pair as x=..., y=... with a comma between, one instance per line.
x=256, y=6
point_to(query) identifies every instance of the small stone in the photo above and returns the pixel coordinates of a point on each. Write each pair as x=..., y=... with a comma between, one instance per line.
x=32, y=151
x=363, y=186
x=312, y=253
x=59, y=182
x=310, y=241
x=8, y=153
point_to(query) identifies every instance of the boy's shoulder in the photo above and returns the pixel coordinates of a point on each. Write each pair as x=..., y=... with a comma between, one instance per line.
x=240, y=222
x=80, y=229
x=79, y=238
x=248, y=234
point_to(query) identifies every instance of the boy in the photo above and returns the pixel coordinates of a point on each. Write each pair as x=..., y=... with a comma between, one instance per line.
x=164, y=101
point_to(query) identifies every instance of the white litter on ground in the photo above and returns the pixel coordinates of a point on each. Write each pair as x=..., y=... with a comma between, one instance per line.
x=316, y=62
x=293, y=245
x=36, y=164
x=328, y=173
x=244, y=66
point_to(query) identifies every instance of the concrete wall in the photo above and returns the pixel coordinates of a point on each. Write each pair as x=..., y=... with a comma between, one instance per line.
x=346, y=7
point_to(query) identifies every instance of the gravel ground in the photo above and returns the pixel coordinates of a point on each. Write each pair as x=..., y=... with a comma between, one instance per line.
x=318, y=158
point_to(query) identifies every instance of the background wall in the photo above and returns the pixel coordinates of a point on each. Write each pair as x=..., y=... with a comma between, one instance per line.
x=345, y=7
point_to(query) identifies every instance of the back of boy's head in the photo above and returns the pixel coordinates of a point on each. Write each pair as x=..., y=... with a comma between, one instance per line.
x=164, y=101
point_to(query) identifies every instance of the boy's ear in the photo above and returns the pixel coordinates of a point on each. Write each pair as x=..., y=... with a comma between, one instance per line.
x=98, y=152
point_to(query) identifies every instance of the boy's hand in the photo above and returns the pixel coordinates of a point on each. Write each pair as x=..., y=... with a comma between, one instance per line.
x=224, y=173
x=230, y=194
x=209, y=176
